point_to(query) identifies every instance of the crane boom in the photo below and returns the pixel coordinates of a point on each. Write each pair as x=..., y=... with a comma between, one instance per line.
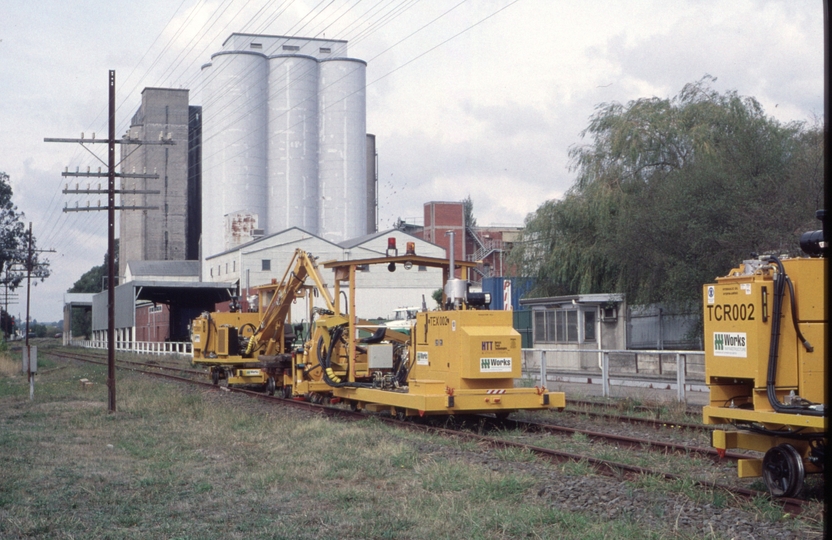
x=270, y=332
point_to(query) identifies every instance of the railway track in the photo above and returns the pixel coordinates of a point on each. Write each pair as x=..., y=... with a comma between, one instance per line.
x=630, y=442
x=600, y=466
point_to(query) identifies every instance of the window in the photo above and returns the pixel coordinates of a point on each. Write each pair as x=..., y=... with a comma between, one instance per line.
x=226, y=268
x=556, y=326
x=266, y=265
x=291, y=48
x=256, y=45
x=589, y=325
x=233, y=266
x=422, y=268
x=326, y=50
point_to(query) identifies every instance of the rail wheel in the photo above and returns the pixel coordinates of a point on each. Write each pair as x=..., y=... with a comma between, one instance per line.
x=270, y=386
x=783, y=471
x=287, y=392
x=215, y=376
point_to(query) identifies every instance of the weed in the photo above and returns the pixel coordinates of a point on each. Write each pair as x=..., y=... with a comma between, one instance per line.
x=577, y=468
x=521, y=455
x=9, y=367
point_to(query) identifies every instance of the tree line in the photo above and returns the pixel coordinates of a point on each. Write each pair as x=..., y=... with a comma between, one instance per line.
x=670, y=194
x=19, y=254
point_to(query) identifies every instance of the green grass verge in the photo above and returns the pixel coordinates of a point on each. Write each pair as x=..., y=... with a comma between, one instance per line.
x=179, y=463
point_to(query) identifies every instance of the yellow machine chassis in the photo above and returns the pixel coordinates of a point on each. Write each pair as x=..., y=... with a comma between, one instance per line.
x=745, y=440
x=425, y=398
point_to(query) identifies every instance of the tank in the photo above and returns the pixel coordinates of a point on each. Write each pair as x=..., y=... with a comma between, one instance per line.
x=372, y=185
x=233, y=144
x=342, y=161
x=293, y=143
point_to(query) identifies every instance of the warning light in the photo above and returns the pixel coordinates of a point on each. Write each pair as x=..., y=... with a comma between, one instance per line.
x=391, y=246
x=411, y=248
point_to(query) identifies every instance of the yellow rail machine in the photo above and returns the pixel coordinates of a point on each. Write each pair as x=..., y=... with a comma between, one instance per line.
x=255, y=348
x=765, y=351
x=463, y=358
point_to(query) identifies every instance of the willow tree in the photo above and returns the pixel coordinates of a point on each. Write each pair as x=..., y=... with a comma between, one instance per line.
x=670, y=193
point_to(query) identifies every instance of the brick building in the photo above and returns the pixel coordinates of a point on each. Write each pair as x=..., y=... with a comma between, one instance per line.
x=487, y=244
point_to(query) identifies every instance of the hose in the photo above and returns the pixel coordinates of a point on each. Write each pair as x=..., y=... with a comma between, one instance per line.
x=780, y=280
x=328, y=374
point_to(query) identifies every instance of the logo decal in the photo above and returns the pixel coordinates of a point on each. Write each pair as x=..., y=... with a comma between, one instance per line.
x=730, y=344
x=495, y=365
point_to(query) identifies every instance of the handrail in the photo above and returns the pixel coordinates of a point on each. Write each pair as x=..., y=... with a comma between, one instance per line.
x=604, y=356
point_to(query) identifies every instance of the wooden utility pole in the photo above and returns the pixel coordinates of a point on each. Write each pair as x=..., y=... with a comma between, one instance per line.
x=28, y=296
x=111, y=249
x=30, y=264
x=111, y=220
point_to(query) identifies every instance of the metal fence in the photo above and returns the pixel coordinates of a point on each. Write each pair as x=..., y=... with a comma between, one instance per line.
x=682, y=370
x=654, y=327
x=140, y=347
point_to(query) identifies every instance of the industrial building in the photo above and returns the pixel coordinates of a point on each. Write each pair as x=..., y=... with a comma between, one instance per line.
x=284, y=142
x=379, y=292
x=169, y=226
x=487, y=246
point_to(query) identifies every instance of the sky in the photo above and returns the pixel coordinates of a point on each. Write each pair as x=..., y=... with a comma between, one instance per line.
x=479, y=99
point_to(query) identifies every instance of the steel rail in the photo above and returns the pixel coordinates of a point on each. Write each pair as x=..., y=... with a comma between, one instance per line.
x=653, y=422
x=624, y=440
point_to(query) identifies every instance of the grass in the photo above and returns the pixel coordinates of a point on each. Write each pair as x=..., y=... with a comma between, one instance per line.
x=178, y=463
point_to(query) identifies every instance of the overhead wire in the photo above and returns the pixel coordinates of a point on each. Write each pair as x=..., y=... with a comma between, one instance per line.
x=242, y=151
x=374, y=18
x=59, y=223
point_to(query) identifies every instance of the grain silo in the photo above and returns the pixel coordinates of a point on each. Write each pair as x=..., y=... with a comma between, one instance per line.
x=284, y=141
x=234, y=150
x=293, y=143
x=342, y=155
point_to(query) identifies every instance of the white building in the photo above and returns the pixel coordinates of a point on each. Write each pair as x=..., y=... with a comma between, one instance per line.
x=378, y=291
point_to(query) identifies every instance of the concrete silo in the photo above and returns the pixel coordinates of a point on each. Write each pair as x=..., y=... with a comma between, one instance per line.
x=293, y=143
x=233, y=148
x=284, y=141
x=372, y=184
x=342, y=158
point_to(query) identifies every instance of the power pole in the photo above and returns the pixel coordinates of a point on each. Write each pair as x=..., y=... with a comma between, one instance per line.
x=111, y=226
x=29, y=266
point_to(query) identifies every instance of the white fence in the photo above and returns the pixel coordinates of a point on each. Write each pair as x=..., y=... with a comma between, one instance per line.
x=140, y=347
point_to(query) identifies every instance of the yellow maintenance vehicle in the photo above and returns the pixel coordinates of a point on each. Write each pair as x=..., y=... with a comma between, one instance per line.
x=256, y=348
x=765, y=363
x=461, y=359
